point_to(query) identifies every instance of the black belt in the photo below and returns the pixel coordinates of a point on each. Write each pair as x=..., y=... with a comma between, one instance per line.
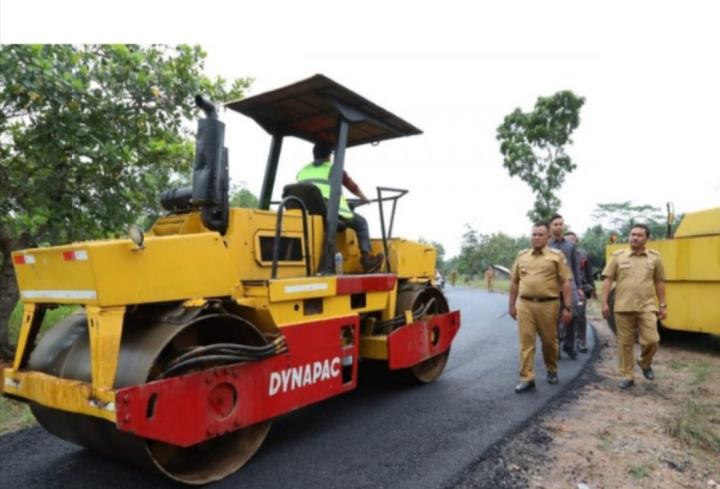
x=538, y=299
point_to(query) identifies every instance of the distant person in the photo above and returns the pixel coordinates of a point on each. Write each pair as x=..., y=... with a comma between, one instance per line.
x=540, y=277
x=640, y=277
x=453, y=278
x=318, y=173
x=566, y=331
x=490, y=278
x=588, y=288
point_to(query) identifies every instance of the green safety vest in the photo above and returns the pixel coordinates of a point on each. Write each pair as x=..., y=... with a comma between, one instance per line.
x=319, y=175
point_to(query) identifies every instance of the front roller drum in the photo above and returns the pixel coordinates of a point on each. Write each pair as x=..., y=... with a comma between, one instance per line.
x=149, y=344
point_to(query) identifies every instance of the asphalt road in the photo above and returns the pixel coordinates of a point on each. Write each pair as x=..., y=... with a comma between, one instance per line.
x=384, y=434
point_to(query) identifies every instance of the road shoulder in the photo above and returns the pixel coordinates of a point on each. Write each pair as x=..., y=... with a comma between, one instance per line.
x=663, y=434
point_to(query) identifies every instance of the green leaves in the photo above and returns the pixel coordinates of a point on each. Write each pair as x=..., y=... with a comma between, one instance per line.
x=240, y=196
x=533, y=147
x=90, y=135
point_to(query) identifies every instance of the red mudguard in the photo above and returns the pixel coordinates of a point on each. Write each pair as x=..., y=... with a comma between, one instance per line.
x=411, y=344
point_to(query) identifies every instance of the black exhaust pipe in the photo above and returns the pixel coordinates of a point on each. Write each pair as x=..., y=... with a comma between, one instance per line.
x=210, y=187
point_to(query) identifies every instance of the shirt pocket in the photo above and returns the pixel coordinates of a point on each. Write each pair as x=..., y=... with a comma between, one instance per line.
x=624, y=269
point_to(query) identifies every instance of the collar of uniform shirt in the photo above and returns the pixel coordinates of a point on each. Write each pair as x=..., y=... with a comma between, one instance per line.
x=638, y=253
x=540, y=251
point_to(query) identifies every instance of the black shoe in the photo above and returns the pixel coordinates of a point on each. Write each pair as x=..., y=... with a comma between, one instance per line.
x=552, y=378
x=524, y=386
x=626, y=383
x=372, y=263
x=583, y=349
x=570, y=352
x=648, y=372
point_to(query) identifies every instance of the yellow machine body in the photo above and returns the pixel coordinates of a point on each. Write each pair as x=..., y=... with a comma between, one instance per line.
x=692, y=269
x=181, y=261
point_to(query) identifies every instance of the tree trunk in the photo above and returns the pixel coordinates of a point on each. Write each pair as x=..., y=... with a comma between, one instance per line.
x=9, y=296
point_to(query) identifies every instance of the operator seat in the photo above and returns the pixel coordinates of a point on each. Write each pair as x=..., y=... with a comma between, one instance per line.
x=313, y=200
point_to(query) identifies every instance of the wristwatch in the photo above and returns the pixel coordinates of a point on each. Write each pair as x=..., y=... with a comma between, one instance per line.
x=663, y=306
x=567, y=308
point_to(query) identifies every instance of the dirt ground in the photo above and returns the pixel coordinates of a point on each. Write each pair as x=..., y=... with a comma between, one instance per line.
x=662, y=435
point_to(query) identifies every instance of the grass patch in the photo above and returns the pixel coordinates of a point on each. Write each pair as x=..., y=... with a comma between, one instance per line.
x=697, y=425
x=640, y=472
x=606, y=440
x=14, y=415
x=700, y=372
x=676, y=365
x=52, y=316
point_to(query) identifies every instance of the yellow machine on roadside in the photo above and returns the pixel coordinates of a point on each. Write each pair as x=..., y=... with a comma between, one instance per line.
x=692, y=268
x=193, y=337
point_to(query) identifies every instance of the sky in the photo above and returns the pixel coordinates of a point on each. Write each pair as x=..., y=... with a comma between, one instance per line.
x=649, y=72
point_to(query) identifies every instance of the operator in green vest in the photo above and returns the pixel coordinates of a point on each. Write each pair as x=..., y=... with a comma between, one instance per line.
x=318, y=173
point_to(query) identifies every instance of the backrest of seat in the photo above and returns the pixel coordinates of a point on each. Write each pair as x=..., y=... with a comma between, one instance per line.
x=309, y=194
x=313, y=199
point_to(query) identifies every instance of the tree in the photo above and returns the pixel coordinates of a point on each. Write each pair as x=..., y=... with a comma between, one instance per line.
x=533, y=147
x=478, y=251
x=89, y=135
x=240, y=196
x=619, y=217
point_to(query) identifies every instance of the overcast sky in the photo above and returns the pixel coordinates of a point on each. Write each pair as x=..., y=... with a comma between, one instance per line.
x=649, y=72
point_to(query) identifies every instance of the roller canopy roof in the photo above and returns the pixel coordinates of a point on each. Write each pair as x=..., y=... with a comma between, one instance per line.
x=310, y=110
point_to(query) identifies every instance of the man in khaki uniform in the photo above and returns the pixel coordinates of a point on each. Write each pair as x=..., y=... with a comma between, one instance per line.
x=538, y=276
x=639, y=275
x=490, y=278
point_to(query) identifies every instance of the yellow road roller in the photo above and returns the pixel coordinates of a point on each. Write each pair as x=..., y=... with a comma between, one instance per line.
x=691, y=258
x=194, y=335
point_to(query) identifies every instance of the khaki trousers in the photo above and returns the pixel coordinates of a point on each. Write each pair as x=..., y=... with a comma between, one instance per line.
x=630, y=324
x=537, y=318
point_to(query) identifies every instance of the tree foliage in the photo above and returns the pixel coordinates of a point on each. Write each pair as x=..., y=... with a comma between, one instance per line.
x=89, y=136
x=533, y=147
x=240, y=196
x=616, y=219
x=478, y=251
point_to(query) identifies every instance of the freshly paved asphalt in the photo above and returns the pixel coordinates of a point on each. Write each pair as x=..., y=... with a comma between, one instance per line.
x=383, y=434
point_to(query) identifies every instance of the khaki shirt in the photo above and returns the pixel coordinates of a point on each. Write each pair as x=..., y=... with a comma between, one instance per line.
x=636, y=276
x=540, y=274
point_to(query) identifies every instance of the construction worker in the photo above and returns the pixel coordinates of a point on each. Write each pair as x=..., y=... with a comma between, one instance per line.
x=566, y=331
x=538, y=277
x=640, y=277
x=318, y=173
x=490, y=278
x=588, y=288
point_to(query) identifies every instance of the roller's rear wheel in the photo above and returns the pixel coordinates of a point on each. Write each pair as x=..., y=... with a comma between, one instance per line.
x=148, y=343
x=432, y=301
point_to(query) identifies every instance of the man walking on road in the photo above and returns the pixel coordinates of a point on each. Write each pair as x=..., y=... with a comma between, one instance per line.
x=538, y=276
x=566, y=331
x=490, y=278
x=588, y=288
x=640, y=276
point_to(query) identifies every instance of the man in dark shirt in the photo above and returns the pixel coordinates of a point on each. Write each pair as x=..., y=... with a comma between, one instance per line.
x=588, y=288
x=566, y=332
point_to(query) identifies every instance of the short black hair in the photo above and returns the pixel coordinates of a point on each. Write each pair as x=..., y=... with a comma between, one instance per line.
x=322, y=151
x=571, y=233
x=555, y=216
x=541, y=224
x=642, y=226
